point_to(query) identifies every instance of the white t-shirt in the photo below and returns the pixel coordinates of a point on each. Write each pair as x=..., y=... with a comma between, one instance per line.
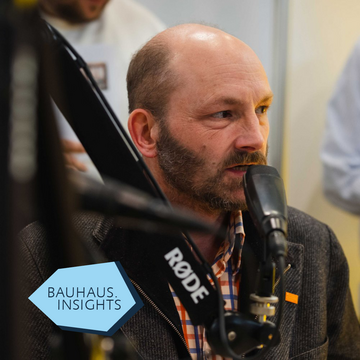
x=107, y=45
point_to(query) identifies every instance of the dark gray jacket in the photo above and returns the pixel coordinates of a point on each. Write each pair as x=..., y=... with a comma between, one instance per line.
x=322, y=325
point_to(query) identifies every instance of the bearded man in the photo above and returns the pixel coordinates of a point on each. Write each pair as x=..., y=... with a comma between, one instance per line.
x=198, y=100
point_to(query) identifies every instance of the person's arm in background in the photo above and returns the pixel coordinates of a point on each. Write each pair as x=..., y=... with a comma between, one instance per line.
x=340, y=152
x=69, y=149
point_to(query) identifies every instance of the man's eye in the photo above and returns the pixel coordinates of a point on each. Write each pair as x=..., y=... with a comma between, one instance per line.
x=262, y=109
x=222, y=114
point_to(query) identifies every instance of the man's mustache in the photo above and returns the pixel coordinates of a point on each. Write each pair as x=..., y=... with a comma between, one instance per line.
x=245, y=158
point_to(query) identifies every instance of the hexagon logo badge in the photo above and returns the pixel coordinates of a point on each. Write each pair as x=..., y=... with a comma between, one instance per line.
x=95, y=299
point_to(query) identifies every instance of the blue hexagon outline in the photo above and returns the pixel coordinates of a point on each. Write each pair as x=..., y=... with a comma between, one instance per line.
x=129, y=314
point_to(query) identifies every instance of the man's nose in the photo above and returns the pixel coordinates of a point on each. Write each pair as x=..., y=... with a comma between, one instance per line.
x=250, y=135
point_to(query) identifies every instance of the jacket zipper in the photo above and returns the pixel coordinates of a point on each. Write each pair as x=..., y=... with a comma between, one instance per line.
x=160, y=313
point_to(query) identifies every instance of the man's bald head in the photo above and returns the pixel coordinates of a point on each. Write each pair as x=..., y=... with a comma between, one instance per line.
x=158, y=68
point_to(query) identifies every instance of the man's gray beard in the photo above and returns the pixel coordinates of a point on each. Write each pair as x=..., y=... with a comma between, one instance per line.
x=180, y=165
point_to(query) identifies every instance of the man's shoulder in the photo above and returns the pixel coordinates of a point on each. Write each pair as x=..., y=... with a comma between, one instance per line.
x=300, y=220
x=92, y=228
x=82, y=221
x=306, y=230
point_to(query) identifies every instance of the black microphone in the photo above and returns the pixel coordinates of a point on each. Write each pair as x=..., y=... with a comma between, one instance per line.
x=266, y=201
x=118, y=199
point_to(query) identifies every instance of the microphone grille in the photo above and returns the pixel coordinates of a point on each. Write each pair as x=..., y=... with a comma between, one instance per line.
x=262, y=170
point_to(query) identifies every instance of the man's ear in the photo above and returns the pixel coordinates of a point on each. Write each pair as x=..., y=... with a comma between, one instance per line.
x=143, y=131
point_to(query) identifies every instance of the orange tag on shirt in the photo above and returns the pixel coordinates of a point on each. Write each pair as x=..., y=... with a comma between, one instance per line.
x=291, y=298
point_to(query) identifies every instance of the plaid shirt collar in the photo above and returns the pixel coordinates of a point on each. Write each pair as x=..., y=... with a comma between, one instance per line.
x=226, y=250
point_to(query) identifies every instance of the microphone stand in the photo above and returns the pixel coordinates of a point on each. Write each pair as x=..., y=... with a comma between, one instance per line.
x=243, y=334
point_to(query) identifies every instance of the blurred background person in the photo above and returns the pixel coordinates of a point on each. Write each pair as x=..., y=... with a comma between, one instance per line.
x=106, y=33
x=340, y=153
x=340, y=150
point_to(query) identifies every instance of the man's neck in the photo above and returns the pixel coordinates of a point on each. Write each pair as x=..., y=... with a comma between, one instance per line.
x=208, y=244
